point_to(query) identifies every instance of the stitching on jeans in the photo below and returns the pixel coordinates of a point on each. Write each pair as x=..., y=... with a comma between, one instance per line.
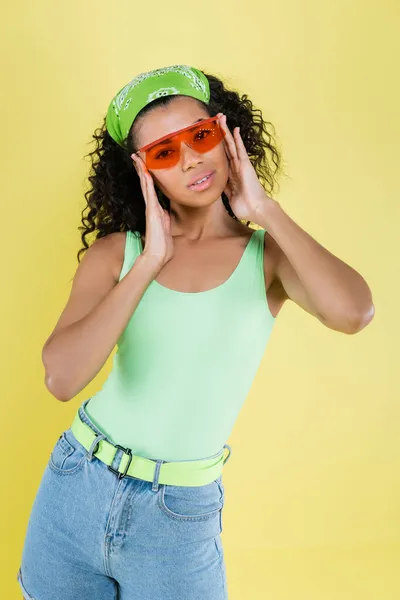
x=63, y=472
x=177, y=517
x=221, y=560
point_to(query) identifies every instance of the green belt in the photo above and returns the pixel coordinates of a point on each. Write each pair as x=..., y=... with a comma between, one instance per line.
x=193, y=472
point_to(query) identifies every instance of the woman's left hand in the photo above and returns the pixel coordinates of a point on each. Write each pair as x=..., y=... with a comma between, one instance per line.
x=245, y=193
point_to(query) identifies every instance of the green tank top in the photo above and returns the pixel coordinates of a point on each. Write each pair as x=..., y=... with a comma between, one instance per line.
x=185, y=362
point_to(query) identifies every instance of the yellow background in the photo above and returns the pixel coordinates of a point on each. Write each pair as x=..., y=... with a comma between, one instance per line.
x=312, y=486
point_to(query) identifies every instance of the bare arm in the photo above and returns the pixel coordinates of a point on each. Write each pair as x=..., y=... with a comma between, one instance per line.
x=97, y=312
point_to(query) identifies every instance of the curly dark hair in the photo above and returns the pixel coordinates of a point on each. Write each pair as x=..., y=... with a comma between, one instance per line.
x=115, y=202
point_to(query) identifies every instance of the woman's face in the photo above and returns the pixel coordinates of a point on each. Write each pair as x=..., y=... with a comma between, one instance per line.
x=173, y=182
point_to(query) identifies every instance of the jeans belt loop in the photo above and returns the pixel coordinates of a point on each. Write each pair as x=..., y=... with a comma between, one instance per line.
x=155, y=485
x=95, y=444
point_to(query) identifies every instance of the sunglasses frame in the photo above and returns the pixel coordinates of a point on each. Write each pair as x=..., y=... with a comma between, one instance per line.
x=170, y=135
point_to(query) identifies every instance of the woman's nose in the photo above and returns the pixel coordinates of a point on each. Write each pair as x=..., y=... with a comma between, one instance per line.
x=189, y=155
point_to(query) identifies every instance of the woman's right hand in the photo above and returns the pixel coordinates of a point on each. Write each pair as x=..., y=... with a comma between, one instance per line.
x=158, y=243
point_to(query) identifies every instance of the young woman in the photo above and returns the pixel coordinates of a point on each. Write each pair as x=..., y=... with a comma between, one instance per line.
x=130, y=503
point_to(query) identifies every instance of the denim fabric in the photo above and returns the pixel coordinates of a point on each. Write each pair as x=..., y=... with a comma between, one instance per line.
x=93, y=536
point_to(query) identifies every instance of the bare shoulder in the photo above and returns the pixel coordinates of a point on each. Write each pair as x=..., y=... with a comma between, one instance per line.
x=110, y=249
x=116, y=245
x=95, y=276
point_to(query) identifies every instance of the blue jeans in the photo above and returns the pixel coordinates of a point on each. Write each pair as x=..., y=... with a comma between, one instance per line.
x=93, y=536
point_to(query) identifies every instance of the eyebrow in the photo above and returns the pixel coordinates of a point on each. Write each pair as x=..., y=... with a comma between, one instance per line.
x=169, y=140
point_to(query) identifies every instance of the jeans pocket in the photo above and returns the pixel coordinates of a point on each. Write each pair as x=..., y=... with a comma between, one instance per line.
x=68, y=455
x=192, y=503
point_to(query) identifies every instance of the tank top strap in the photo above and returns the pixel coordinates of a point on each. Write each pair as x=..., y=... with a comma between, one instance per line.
x=259, y=260
x=254, y=250
x=132, y=251
x=259, y=247
x=250, y=271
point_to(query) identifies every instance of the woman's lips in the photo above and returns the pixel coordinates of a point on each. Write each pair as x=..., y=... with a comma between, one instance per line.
x=204, y=185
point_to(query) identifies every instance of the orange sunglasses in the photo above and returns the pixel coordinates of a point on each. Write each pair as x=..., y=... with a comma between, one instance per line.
x=165, y=152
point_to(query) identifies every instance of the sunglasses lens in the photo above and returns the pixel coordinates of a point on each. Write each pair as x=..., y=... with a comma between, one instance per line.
x=162, y=156
x=202, y=138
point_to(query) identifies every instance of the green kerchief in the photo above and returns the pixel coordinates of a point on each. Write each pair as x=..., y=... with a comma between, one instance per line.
x=146, y=87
